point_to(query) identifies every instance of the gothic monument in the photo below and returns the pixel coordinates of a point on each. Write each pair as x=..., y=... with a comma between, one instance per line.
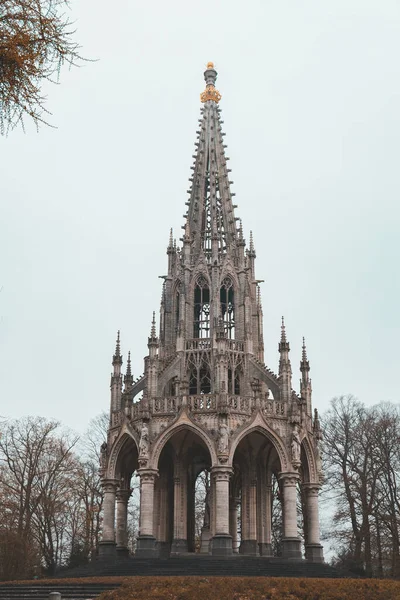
x=208, y=402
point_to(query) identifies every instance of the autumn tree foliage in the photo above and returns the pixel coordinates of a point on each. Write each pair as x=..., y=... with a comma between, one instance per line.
x=36, y=40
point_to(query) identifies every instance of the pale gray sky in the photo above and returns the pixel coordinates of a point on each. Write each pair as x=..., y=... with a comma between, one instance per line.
x=310, y=104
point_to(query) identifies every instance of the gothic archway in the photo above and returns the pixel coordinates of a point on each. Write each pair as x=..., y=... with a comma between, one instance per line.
x=183, y=457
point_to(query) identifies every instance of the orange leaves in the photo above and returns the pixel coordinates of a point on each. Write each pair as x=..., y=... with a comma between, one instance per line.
x=256, y=588
x=35, y=41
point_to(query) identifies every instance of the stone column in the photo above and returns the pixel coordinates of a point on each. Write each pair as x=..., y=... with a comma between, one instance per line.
x=122, y=498
x=146, y=542
x=248, y=543
x=222, y=541
x=107, y=544
x=291, y=545
x=233, y=523
x=179, y=542
x=314, y=550
x=268, y=517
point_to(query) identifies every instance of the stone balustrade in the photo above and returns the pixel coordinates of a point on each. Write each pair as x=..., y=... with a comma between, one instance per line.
x=201, y=403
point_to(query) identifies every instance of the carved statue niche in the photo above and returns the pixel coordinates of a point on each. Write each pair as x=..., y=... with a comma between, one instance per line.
x=223, y=439
x=103, y=456
x=295, y=446
x=144, y=444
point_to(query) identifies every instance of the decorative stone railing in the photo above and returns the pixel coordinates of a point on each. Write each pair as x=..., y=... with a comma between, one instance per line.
x=198, y=344
x=201, y=403
x=235, y=345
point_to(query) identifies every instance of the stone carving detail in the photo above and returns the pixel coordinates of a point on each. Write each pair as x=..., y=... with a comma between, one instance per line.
x=295, y=447
x=144, y=445
x=223, y=441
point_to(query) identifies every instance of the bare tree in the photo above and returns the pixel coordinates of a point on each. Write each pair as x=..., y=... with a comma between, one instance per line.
x=33, y=454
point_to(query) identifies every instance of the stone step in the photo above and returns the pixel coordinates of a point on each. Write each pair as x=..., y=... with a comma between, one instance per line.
x=34, y=591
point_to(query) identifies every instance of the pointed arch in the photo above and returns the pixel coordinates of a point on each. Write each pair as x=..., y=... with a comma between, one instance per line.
x=168, y=433
x=259, y=425
x=308, y=461
x=125, y=439
x=201, y=307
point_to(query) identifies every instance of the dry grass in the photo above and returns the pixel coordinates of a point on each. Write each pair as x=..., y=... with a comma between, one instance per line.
x=238, y=588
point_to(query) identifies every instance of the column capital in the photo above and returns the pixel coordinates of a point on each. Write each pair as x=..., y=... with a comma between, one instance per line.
x=147, y=475
x=221, y=473
x=289, y=479
x=109, y=485
x=123, y=495
x=312, y=489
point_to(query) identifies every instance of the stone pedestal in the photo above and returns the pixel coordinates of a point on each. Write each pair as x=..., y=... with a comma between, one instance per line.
x=221, y=545
x=205, y=540
x=146, y=547
x=107, y=550
x=291, y=548
x=315, y=553
x=249, y=547
x=178, y=547
x=265, y=549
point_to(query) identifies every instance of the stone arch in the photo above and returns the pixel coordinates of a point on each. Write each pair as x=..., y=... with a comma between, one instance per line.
x=119, y=445
x=229, y=272
x=137, y=387
x=171, y=371
x=307, y=455
x=198, y=273
x=258, y=370
x=266, y=432
x=168, y=433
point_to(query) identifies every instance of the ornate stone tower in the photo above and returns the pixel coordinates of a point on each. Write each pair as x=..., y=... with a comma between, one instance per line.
x=208, y=401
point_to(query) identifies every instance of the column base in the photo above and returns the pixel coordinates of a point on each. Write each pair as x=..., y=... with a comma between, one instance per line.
x=221, y=545
x=122, y=552
x=265, y=549
x=179, y=547
x=205, y=541
x=315, y=553
x=146, y=547
x=107, y=551
x=291, y=548
x=248, y=547
x=163, y=549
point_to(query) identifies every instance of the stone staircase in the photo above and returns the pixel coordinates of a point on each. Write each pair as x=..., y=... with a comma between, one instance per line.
x=195, y=565
x=34, y=591
x=198, y=565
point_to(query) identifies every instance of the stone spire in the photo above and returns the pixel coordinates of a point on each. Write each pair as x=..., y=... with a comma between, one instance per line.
x=128, y=379
x=285, y=369
x=210, y=217
x=117, y=358
x=116, y=377
x=305, y=381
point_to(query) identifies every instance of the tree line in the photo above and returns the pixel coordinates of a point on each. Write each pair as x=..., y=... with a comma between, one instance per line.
x=361, y=452
x=51, y=500
x=50, y=496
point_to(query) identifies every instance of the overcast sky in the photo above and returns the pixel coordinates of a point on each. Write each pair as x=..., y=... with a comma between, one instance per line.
x=310, y=103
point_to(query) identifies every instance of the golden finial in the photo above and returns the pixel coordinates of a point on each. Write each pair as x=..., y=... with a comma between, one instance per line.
x=210, y=93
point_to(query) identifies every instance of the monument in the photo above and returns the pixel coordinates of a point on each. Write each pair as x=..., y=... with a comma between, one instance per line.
x=206, y=400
